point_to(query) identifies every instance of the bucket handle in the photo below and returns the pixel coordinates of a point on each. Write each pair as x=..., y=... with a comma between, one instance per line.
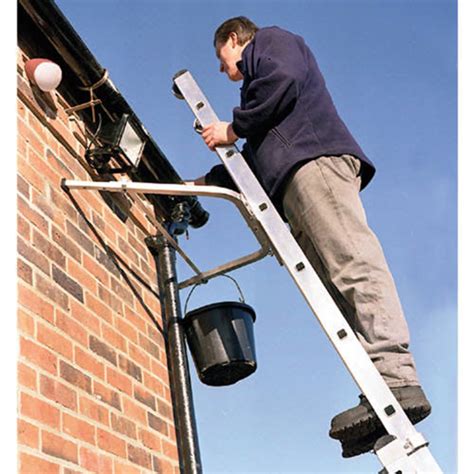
x=241, y=299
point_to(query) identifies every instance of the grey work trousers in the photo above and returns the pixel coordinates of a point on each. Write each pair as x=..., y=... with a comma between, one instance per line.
x=326, y=217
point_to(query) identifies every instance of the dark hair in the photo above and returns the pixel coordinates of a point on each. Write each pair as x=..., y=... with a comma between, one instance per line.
x=242, y=26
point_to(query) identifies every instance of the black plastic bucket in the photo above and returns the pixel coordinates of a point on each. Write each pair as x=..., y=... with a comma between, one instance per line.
x=221, y=341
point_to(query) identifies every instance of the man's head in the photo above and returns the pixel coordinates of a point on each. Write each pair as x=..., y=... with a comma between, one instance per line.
x=229, y=40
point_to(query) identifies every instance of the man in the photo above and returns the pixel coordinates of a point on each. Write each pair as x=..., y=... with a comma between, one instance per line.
x=313, y=169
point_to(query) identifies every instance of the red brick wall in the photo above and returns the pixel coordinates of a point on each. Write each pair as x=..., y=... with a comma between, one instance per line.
x=93, y=388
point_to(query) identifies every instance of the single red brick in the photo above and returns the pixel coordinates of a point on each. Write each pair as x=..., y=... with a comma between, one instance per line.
x=162, y=466
x=67, y=470
x=23, y=228
x=26, y=323
x=38, y=410
x=69, y=283
x=78, y=428
x=111, y=443
x=58, y=392
x=103, y=350
x=59, y=447
x=33, y=464
x=157, y=424
x=24, y=271
x=38, y=355
x=144, y=397
x=55, y=341
x=122, y=468
x=89, y=459
x=26, y=376
x=28, y=434
x=139, y=456
x=169, y=449
x=75, y=376
x=124, y=426
x=151, y=441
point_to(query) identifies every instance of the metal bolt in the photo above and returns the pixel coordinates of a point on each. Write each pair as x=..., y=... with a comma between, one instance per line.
x=342, y=333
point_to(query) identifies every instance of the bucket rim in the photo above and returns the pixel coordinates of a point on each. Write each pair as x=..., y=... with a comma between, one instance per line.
x=233, y=304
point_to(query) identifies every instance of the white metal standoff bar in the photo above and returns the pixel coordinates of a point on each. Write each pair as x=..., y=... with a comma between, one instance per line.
x=403, y=450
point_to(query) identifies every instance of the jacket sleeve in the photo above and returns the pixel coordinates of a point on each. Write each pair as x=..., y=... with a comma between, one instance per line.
x=278, y=72
x=218, y=176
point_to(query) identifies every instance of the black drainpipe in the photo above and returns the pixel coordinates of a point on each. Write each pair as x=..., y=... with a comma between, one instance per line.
x=188, y=447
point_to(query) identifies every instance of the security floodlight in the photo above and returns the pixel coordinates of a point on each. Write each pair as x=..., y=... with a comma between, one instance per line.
x=121, y=140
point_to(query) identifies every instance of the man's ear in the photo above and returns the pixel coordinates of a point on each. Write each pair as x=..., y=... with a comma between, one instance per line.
x=235, y=39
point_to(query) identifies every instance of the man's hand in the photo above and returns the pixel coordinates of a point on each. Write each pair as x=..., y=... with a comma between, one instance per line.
x=219, y=133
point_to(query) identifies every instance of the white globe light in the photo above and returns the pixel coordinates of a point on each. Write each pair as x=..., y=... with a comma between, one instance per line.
x=48, y=76
x=44, y=73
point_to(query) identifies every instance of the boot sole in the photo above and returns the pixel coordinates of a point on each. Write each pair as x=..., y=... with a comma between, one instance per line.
x=371, y=424
x=364, y=443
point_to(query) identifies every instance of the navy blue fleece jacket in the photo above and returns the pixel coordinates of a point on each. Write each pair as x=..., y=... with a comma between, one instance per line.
x=286, y=113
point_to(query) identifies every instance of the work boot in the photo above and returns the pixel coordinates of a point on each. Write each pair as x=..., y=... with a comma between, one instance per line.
x=359, y=428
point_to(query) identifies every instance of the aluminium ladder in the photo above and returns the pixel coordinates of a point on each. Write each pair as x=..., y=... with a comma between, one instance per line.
x=403, y=450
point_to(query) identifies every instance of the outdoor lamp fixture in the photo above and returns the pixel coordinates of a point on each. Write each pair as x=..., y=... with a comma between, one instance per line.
x=44, y=73
x=120, y=140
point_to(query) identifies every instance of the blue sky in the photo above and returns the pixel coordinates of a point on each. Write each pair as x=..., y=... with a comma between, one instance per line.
x=391, y=69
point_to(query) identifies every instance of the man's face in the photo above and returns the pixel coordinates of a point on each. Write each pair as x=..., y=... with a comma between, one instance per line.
x=229, y=53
